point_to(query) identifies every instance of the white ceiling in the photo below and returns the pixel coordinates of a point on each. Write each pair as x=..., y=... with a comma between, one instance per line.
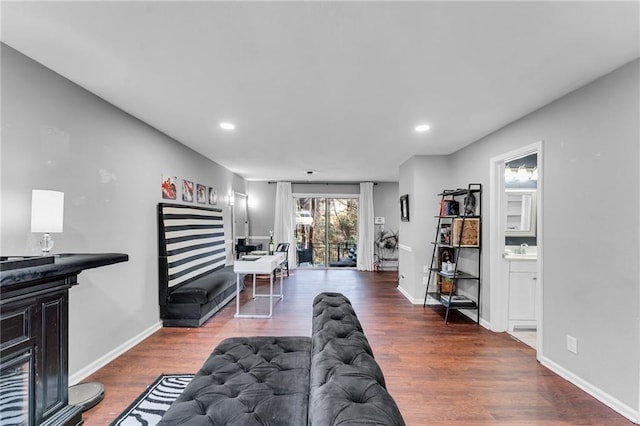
x=334, y=87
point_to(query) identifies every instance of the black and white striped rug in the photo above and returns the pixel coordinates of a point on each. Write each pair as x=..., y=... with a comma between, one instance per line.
x=148, y=408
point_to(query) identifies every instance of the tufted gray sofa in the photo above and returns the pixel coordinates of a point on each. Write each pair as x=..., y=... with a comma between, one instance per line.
x=328, y=379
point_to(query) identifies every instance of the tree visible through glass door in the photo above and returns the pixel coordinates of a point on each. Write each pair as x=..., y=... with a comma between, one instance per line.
x=326, y=231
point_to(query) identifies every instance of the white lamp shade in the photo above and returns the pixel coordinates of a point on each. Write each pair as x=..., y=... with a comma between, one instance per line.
x=47, y=210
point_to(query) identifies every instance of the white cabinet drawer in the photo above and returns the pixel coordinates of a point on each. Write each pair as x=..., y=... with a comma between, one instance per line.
x=522, y=266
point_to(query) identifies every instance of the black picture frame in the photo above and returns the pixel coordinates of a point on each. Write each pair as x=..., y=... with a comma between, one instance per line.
x=404, y=208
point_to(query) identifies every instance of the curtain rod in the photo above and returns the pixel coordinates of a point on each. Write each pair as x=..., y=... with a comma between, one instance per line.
x=304, y=182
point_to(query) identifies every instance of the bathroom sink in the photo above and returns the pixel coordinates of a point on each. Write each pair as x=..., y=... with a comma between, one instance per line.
x=520, y=256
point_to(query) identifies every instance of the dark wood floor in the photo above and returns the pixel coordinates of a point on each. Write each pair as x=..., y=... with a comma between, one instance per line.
x=456, y=374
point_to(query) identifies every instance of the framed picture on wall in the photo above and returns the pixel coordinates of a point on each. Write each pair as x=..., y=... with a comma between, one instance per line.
x=187, y=190
x=213, y=196
x=201, y=194
x=169, y=190
x=404, y=208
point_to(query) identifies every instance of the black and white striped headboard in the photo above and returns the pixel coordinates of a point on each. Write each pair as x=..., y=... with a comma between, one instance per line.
x=191, y=244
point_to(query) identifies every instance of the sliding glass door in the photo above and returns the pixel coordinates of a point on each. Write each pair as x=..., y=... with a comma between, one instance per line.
x=326, y=231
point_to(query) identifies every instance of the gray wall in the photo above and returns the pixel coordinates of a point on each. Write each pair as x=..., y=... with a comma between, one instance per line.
x=422, y=178
x=591, y=220
x=262, y=209
x=56, y=135
x=386, y=203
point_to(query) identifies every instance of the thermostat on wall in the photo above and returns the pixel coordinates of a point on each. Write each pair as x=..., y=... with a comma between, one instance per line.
x=379, y=220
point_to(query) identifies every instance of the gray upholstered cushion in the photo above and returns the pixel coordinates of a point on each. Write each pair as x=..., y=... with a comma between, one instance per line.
x=205, y=288
x=347, y=385
x=248, y=381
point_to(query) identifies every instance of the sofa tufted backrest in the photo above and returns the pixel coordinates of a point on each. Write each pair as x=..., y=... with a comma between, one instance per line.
x=347, y=385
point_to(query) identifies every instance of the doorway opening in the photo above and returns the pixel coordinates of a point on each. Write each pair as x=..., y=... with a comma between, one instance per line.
x=515, y=269
x=326, y=231
x=521, y=188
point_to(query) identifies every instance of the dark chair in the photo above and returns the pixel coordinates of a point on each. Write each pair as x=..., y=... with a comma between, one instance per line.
x=305, y=255
x=284, y=248
x=243, y=247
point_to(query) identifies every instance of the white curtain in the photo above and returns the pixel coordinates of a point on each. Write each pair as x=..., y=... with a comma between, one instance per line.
x=365, y=228
x=284, y=222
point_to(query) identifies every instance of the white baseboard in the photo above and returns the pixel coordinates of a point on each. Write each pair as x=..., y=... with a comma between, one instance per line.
x=595, y=392
x=471, y=314
x=408, y=296
x=78, y=376
x=417, y=301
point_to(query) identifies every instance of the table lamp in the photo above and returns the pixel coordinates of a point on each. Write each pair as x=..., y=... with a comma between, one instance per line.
x=47, y=208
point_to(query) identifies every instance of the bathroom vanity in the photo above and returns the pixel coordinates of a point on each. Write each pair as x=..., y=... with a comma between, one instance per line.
x=522, y=290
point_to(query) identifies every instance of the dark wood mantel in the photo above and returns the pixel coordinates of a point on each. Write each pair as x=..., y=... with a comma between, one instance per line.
x=34, y=328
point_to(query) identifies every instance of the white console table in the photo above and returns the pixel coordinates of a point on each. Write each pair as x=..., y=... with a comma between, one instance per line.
x=258, y=265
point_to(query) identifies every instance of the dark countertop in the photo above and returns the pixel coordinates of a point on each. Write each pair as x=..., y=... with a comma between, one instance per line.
x=63, y=265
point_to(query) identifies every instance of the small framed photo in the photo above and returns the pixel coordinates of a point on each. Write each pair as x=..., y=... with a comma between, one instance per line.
x=169, y=190
x=404, y=208
x=213, y=196
x=187, y=190
x=201, y=194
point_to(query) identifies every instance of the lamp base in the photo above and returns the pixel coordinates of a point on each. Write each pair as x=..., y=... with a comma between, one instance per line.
x=46, y=244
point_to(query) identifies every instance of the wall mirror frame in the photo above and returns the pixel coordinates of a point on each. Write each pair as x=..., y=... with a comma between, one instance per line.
x=240, y=217
x=521, y=212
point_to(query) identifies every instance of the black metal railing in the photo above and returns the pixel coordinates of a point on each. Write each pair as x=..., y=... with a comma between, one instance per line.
x=314, y=254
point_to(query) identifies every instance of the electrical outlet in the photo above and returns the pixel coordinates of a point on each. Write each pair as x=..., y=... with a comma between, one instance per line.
x=572, y=344
x=425, y=269
x=425, y=280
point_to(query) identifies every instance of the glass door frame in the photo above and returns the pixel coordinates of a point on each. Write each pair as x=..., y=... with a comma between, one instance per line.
x=326, y=197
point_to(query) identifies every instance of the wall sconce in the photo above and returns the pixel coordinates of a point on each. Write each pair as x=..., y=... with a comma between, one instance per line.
x=232, y=199
x=47, y=212
x=508, y=174
x=521, y=174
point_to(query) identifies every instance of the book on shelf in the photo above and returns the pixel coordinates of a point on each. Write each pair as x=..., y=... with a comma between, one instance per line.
x=445, y=284
x=449, y=208
x=455, y=299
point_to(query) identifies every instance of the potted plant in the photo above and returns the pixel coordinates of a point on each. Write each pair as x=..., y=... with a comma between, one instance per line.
x=387, y=240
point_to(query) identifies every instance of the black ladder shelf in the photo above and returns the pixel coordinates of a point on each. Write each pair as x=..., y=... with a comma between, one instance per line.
x=464, y=219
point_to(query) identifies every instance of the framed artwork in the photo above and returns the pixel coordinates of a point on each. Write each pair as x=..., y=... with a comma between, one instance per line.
x=213, y=196
x=466, y=233
x=201, y=194
x=169, y=190
x=187, y=190
x=404, y=208
x=445, y=254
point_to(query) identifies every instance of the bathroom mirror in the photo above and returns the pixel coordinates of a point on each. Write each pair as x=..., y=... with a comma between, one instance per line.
x=521, y=213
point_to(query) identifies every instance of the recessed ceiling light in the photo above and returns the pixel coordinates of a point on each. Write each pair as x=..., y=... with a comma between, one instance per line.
x=227, y=126
x=422, y=128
